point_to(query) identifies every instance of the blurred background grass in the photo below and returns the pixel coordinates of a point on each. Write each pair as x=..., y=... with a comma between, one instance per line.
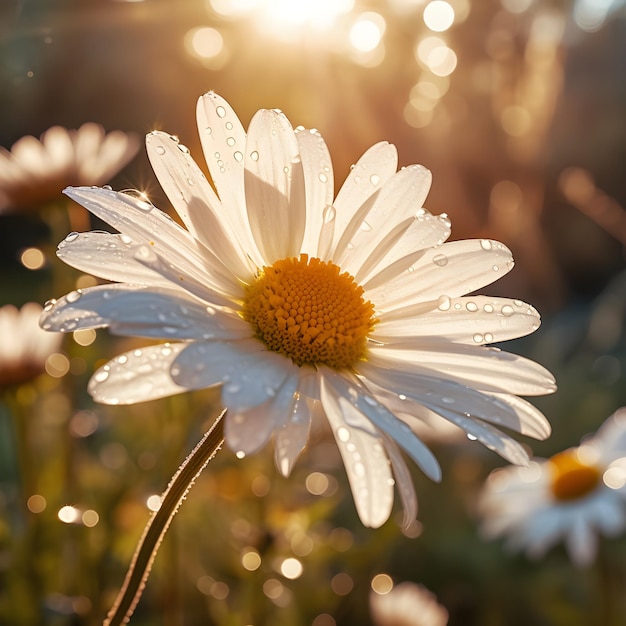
x=517, y=108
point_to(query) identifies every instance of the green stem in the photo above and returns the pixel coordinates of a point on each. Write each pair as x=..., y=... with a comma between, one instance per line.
x=157, y=526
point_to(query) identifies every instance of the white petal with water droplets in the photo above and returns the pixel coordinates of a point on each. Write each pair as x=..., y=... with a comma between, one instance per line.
x=145, y=224
x=131, y=310
x=479, y=367
x=195, y=201
x=395, y=204
x=274, y=186
x=366, y=177
x=364, y=457
x=291, y=438
x=359, y=397
x=454, y=269
x=137, y=376
x=247, y=431
x=250, y=374
x=106, y=255
x=319, y=189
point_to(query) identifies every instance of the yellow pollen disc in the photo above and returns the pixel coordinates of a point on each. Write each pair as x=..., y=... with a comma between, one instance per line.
x=571, y=478
x=307, y=310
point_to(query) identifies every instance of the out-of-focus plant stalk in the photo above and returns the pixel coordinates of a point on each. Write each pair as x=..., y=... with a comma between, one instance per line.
x=155, y=530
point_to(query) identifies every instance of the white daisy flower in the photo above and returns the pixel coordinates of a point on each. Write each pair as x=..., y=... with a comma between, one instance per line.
x=299, y=305
x=407, y=604
x=25, y=347
x=36, y=171
x=573, y=496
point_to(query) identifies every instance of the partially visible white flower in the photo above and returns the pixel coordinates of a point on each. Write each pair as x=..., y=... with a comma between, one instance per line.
x=24, y=346
x=36, y=171
x=574, y=496
x=407, y=604
x=352, y=310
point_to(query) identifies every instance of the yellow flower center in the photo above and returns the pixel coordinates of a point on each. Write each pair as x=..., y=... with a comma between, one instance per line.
x=571, y=478
x=309, y=311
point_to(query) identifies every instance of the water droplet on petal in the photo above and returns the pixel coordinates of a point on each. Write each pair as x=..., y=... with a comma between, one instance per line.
x=208, y=130
x=49, y=304
x=125, y=239
x=359, y=469
x=101, y=375
x=440, y=260
x=254, y=156
x=488, y=337
x=507, y=310
x=323, y=178
x=73, y=296
x=160, y=150
x=240, y=454
x=478, y=338
x=488, y=308
x=343, y=434
x=365, y=227
x=238, y=156
x=221, y=111
x=444, y=303
x=485, y=244
x=229, y=125
x=183, y=149
x=230, y=141
x=329, y=213
x=73, y=236
x=471, y=306
x=495, y=268
x=374, y=179
x=122, y=360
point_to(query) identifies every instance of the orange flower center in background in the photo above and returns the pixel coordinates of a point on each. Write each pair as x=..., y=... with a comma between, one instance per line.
x=309, y=311
x=572, y=478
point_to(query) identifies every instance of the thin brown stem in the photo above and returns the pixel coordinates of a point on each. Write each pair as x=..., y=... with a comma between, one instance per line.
x=157, y=526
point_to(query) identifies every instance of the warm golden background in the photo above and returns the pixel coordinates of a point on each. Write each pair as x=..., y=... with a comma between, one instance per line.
x=519, y=109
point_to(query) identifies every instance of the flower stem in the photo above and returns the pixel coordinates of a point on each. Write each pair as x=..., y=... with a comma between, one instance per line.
x=157, y=526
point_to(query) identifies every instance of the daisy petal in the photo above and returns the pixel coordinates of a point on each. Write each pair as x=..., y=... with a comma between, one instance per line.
x=319, y=188
x=137, y=376
x=363, y=455
x=247, y=431
x=194, y=199
x=251, y=375
x=581, y=542
x=386, y=421
x=224, y=145
x=470, y=320
x=274, y=186
x=453, y=269
x=397, y=201
x=369, y=174
x=145, y=224
x=293, y=436
x=404, y=482
x=106, y=255
x=142, y=312
x=477, y=366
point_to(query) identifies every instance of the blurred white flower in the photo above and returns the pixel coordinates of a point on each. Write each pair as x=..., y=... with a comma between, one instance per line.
x=407, y=604
x=300, y=306
x=36, y=171
x=573, y=496
x=24, y=345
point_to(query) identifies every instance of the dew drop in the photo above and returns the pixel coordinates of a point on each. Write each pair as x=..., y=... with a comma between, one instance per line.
x=440, y=260
x=231, y=141
x=488, y=337
x=183, y=148
x=488, y=308
x=254, y=156
x=125, y=239
x=190, y=182
x=495, y=268
x=507, y=310
x=208, y=130
x=221, y=111
x=457, y=306
x=478, y=338
x=229, y=125
x=359, y=469
x=444, y=303
x=238, y=156
x=286, y=169
x=343, y=434
x=471, y=437
x=240, y=454
x=122, y=360
x=49, y=304
x=73, y=296
x=329, y=213
x=485, y=244
x=101, y=375
x=471, y=306
x=366, y=227
x=73, y=236
x=160, y=150
x=374, y=179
